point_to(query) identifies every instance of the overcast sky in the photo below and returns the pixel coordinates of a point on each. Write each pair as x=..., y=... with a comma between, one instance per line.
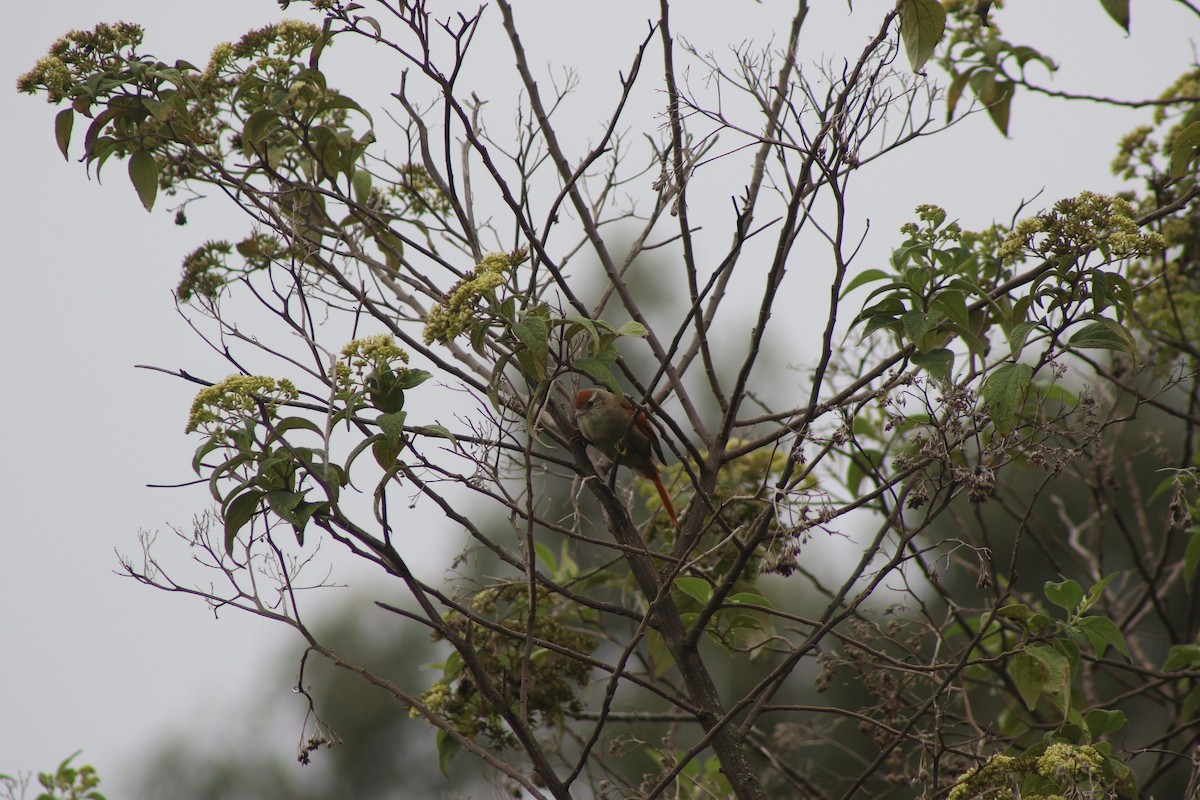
x=90, y=660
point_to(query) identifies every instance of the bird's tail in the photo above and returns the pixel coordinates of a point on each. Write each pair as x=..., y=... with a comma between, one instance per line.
x=664, y=496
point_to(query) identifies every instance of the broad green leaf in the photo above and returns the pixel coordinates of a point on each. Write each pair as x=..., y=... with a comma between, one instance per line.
x=1057, y=677
x=750, y=599
x=1191, y=555
x=954, y=93
x=295, y=423
x=302, y=514
x=143, y=173
x=1066, y=594
x=1103, y=632
x=435, y=430
x=952, y=304
x=546, y=556
x=1018, y=336
x=917, y=324
x=1185, y=150
x=1187, y=709
x=412, y=378
x=695, y=587
x=361, y=183
x=370, y=21
x=1103, y=334
x=1100, y=721
x=862, y=463
x=1164, y=486
x=238, y=513
x=1004, y=392
x=659, y=654
x=1015, y=611
x=938, y=363
x=575, y=323
x=599, y=368
x=995, y=93
x=922, y=23
x=1000, y=106
x=212, y=443
x=533, y=332
x=257, y=128
x=64, y=121
x=447, y=749
x=1096, y=591
x=392, y=426
x=386, y=453
x=1029, y=675
x=1119, y=11
x=632, y=328
x=1180, y=656
x=158, y=109
x=864, y=277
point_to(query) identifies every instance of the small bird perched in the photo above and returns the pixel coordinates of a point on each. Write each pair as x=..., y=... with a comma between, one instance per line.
x=604, y=420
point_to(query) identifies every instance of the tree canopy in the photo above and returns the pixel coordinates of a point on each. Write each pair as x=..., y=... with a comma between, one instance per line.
x=999, y=425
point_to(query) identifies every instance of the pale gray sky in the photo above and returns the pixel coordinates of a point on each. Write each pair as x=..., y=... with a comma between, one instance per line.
x=93, y=661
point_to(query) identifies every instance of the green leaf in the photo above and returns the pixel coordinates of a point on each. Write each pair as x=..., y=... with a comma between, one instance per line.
x=1066, y=594
x=659, y=654
x=64, y=121
x=1187, y=709
x=695, y=587
x=1119, y=11
x=1057, y=676
x=143, y=173
x=370, y=21
x=447, y=749
x=361, y=183
x=1103, y=334
x=952, y=304
x=1015, y=611
x=435, y=430
x=533, y=332
x=295, y=423
x=238, y=513
x=1004, y=392
x=632, y=328
x=917, y=324
x=1096, y=591
x=922, y=23
x=1029, y=675
x=938, y=363
x=1191, y=555
x=386, y=453
x=1185, y=149
x=999, y=107
x=411, y=378
x=392, y=426
x=1018, y=336
x=599, y=368
x=257, y=128
x=545, y=555
x=750, y=599
x=864, y=277
x=954, y=93
x=1100, y=721
x=1181, y=656
x=283, y=503
x=1103, y=632
x=862, y=463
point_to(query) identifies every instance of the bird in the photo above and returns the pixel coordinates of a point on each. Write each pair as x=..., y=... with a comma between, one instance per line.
x=604, y=420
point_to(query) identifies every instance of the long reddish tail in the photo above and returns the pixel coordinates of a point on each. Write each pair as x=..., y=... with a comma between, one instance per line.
x=666, y=498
